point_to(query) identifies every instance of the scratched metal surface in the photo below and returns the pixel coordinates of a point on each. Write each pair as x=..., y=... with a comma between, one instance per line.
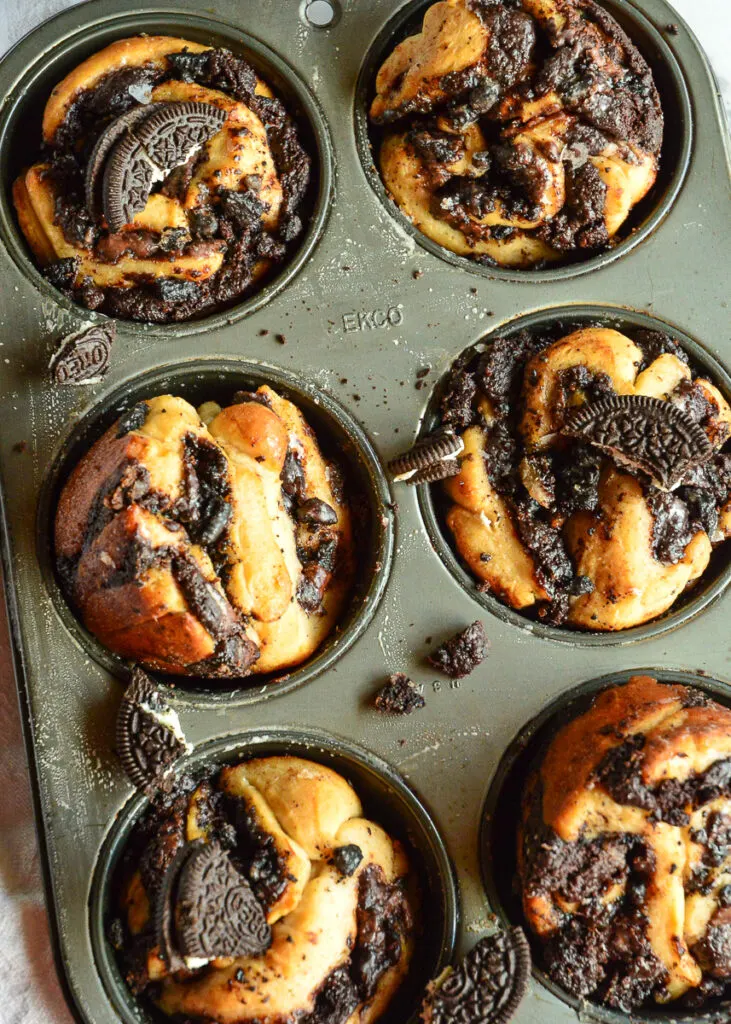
x=360, y=273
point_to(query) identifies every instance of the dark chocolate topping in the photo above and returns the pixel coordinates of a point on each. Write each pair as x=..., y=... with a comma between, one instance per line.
x=146, y=746
x=217, y=913
x=83, y=357
x=644, y=433
x=347, y=858
x=487, y=986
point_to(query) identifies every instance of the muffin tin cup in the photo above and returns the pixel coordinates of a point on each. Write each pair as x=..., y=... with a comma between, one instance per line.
x=20, y=135
x=674, y=157
x=364, y=331
x=501, y=815
x=340, y=437
x=387, y=800
x=702, y=594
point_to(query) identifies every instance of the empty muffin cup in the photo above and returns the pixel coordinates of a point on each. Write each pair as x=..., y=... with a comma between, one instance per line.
x=383, y=799
x=535, y=476
x=308, y=538
x=497, y=183
x=167, y=257
x=501, y=820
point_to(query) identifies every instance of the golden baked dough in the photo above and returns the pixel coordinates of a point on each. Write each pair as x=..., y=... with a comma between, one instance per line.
x=632, y=809
x=565, y=152
x=150, y=508
x=562, y=529
x=319, y=915
x=142, y=255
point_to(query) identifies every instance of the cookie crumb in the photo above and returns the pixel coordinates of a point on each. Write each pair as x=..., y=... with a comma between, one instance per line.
x=20, y=446
x=462, y=653
x=398, y=696
x=672, y=28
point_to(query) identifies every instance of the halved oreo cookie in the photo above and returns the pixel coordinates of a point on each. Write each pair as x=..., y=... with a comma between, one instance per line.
x=643, y=433
x=487, y=986
x=216, y=912
x=103, y=146
x=175, y=131
x=83, y=357
x=129, y=175
x=432, y=458
x=149, y=150
x=148, y=736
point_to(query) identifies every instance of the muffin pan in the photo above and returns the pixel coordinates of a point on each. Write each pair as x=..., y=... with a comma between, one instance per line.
x=363, y=308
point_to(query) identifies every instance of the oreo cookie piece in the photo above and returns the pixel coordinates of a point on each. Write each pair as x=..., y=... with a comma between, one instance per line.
x=175, y=131
x=129, y=175
x=216, y=911
x=167, y=137
x=112, y=133
x=431, y=458
x=462, y=653
x=643, y=433
x=164, y=909
x=398, y=696
x=487, y=987
x=148, y=736
x=347, y=858
x=83, y=357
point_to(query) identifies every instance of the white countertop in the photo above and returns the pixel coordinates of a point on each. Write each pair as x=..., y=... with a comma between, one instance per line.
x=29, y=990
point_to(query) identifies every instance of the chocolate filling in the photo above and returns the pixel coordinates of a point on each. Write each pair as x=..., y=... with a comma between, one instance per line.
x=228, y=221
x=569, y=473
x=610, y=94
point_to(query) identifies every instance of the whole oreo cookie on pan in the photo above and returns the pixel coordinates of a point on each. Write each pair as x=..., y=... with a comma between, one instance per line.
x=487, y=987
x=644, y=433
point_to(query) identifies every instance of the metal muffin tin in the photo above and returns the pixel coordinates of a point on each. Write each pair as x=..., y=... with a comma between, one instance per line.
x=363, y=308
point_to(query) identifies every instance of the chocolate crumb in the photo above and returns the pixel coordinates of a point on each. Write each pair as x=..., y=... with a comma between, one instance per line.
x=398, y=696
x=462, y=653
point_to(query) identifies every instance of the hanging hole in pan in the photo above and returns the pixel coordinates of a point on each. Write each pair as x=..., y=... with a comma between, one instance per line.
x=321, y=14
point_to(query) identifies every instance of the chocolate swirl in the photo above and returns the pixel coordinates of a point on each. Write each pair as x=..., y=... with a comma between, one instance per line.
x=517, y=132
x=625, y=848
x=173, y=181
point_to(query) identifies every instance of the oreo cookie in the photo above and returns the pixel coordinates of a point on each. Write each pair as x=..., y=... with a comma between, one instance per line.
x=643, y=433
x=145, y=150
x=148, y=736
x=486, y=987
x=430, y=459
x=83, y=357
x=128, y=179
x=216, y=911
x=102, y=148
x=175, y=131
